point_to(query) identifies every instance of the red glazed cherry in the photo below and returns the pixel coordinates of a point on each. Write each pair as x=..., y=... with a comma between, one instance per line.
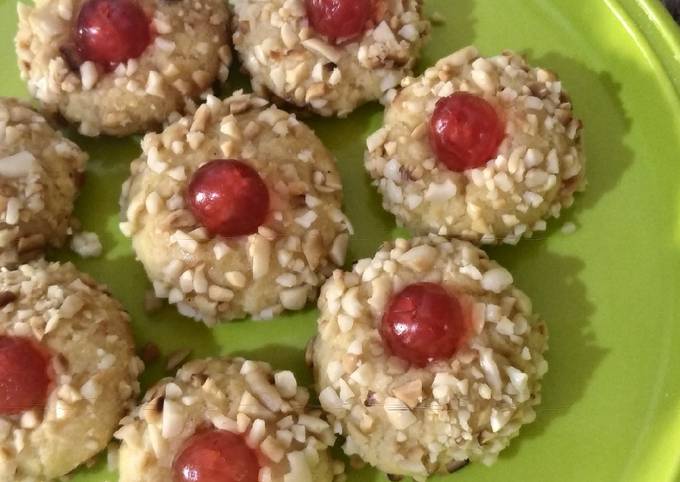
x=24, y=375
x=339, y=19
x=228, y=197
x=112, y=31
x=465, y=131
x=423, y=323
x=216, y=456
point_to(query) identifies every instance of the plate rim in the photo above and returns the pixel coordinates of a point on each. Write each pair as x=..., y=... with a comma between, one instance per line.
x=657, y=35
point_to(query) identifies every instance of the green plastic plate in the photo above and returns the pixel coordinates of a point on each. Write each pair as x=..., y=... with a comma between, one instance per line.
x=609, y=292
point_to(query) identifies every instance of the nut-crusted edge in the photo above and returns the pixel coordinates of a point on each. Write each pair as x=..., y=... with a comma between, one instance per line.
x=286, y=57
x=415, y=421
x=94, y=365
x=188, y=52
x=539, y=166
x=246, y=397
x=213, y=278
x=40, y=172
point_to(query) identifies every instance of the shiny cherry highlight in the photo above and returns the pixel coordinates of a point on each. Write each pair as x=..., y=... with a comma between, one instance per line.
x=24, y=375
x=109, y=32
x=423, y=323
x=216, y=456
x=465, y=131
x=340, y=20
x=228, y=197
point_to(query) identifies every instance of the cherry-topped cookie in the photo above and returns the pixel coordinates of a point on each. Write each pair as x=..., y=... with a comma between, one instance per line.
x=236, y=211
x=67, y=370
x=121, y=66
x=484, y=149
x=427, y=357
x=223, y=420
x=329, y=56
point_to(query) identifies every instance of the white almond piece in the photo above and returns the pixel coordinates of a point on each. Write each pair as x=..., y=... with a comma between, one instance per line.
x=377, y=139
x=299, y=468
x=383, y=33
x=260, y=253
x=264, y=391
x=271, y=448
x=496, y=280
x=17, y=165
x=223, y=423
x=419, y=259
x=338, y=251
x=330, y=401
x=258, y=431
x=71, y=306
x=307, y=219
x=350, y=302
x=441, y=192
x=12, y=211
x=499, y=419
x=399, y=415
x=249, y=405
x=410, y=393
x=323, y=48
x=90, y=390
x=334, y=371
x=294, y=298
x=173, y=419
x=345, y=323
x=286, y=383
x=313, y=424
x=88, y=75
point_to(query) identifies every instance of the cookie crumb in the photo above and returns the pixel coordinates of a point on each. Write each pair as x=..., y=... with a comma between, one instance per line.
x=437, y=18
x=86, y=244
x=568, y=228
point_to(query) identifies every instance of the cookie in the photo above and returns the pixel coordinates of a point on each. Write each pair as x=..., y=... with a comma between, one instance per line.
x=235, y=211
x=40, y=172
x=291, y=49
x=119, y=67
x=483, y=149
x=226, y=420
x=68, y=370
x=427, y=357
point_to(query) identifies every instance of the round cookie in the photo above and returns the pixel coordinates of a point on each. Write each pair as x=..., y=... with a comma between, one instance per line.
x=263, y=410
x=85, y=338
x=537, y=168
x=212, y=277
x=40, y=172
x=287, y=57
x=417, y=419
x=139, y=88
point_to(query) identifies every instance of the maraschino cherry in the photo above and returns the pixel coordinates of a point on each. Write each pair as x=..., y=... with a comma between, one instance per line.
x=24, y=375
x=228, y=197
x=423, y=323
x=339, y=19
x=109, y=32
x=465, y=131
x=216, y=456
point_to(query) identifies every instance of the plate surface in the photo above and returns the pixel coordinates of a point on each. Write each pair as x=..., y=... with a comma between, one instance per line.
x=609, y=292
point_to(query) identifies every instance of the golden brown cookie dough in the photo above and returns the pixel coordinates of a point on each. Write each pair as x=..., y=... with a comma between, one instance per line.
x=40, y=172
x=189, y=50
x=87, y=334
x=286, y=57
x=213, y=278
x=539, y=167
x=244, y=397
x=417, y=421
